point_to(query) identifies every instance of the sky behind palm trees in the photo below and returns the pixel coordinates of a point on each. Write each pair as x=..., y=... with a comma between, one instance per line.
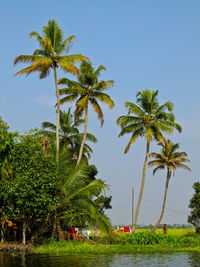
x=144, y=44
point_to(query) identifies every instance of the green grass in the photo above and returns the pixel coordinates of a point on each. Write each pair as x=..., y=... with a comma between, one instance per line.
x=142, y=241
x=74, y=248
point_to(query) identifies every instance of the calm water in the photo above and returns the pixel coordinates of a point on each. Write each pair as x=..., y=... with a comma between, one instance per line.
x=146, y=260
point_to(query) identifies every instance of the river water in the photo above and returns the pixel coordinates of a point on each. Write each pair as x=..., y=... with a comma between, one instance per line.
x=146, y=260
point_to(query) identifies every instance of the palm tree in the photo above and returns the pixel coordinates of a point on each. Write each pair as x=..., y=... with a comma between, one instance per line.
x=87, y=90
x=77, y=205
x=148, y=120
x=69, y=134
x=50, y=56
x=171, y=159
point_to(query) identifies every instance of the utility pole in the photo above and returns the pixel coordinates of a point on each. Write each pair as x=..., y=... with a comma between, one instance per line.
x=132, y=207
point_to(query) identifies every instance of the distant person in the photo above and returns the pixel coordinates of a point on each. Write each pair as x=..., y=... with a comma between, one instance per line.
x=165, y=229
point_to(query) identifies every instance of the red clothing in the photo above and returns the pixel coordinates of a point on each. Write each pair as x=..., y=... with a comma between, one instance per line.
x=72, y=230
x=127, y=229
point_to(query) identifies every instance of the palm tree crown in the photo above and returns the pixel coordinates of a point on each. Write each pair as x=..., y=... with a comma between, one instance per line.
x=69, y=134
x=52, y=46
x=87, y=90
x=147, y=119
x=169, y=158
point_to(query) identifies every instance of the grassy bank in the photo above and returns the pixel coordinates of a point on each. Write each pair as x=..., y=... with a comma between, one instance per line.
x=125, y=243
x=74, y=248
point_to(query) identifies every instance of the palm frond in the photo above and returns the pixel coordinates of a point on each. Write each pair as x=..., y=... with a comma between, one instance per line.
x=183, y=166
x=158, y=168
x=99, y=70
x=127, y=120
x=98, y=110
x=104, y=98
x=26, y=59
x=69, y=98
x=134, y=109
x=66, y=45
x=48, y=125
x=69, y=67
x=134, y=137
x=76, y=58
x=90, y=137
x=35, y=35
x=103, y=85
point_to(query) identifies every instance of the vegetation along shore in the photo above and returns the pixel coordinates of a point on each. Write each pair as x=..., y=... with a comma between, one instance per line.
x=49, y=190
x=143, y=241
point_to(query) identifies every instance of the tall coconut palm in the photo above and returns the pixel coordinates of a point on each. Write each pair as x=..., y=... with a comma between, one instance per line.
x=171, y=159
x=50, y=57
x=148, y=120
x=69, y=135
x=88, y=90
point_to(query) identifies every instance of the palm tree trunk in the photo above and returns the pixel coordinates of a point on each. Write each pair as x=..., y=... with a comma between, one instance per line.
x=58, y=114
x=2, y=229
x=53, y=234
x=142, y=186
x=84, y=136
x=24, y=234
x=164, y=202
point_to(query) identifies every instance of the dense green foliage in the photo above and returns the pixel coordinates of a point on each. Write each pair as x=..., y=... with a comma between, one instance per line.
x=194, y=218
x=31, y=192
x=38, y=187
x=6, y=143
x=79, y=191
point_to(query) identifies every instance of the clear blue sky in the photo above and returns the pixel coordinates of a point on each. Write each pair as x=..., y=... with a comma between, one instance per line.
x=144, y=44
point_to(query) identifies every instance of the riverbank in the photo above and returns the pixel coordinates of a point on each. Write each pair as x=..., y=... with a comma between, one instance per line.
x=75, y=248
x=14, y=247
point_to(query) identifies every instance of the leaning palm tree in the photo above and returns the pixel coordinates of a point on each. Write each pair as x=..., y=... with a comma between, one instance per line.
x=69, y=134
x=171, y=159
x=50, y=56
x=77, y=205
x=88, y=90
x=148, y=120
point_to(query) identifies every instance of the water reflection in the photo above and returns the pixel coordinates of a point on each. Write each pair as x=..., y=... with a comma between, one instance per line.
x=150, y=260
x=194, y=259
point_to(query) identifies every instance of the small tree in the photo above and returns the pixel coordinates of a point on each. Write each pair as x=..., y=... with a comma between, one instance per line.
x=194, y=218
x=31, y=193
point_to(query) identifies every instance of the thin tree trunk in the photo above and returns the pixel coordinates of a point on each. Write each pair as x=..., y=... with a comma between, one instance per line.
x=58, y=114
x=2, y=229
x=84, y=136
x=53, y=235
x=24, y=234
x=142, y=186
x=164, y=202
